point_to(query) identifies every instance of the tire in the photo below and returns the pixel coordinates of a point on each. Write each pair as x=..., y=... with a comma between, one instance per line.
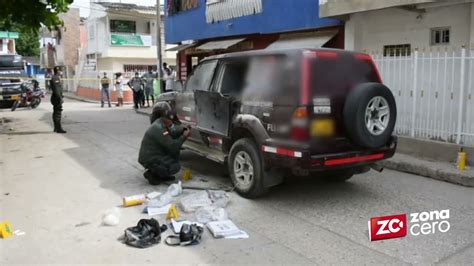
x=338, y=176
x=35, y=102
x=367, y=121
x=246, y=149
x=15, y=105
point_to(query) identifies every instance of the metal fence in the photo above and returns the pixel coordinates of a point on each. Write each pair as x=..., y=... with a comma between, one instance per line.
x=433, y=90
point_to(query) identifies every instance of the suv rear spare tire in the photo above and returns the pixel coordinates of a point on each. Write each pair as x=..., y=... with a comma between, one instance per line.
x=246, y=169
x=370, y=113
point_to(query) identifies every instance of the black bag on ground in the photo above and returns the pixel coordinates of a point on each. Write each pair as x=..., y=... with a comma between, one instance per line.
x=145, y=234
x=190, y=234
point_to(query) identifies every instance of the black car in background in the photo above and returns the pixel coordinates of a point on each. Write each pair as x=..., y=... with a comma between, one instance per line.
x=12, y=74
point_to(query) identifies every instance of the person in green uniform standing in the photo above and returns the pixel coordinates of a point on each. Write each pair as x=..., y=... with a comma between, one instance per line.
x=57, y=99
x=161, y=146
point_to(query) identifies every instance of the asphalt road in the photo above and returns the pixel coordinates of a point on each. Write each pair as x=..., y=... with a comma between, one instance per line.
x=56, y=188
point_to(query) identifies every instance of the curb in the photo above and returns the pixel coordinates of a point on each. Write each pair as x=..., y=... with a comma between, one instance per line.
x=435, y=170
x=143, y=112
x=77, y=98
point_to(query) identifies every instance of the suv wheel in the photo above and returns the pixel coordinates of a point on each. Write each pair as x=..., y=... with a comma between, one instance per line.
x=370, y=113
x=245, y=168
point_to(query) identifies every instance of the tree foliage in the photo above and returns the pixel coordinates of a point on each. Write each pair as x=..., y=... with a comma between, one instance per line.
x=32, y=14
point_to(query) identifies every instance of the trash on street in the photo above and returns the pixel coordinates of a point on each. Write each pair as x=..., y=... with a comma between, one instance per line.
x=152, y=211
x=208, y=214
x=189, y=234
x=133, y=200
x=223, y=229
x=175, y=189
x=192, y=202
x=153, y=195
x=219, y=198
x=161, y=201
x=145, y=234
x=111, y=217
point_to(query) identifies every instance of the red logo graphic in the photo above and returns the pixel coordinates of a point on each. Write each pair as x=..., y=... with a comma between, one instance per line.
x=387, y=227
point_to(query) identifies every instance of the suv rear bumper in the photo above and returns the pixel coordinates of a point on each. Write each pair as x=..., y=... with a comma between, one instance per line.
x=301, y=159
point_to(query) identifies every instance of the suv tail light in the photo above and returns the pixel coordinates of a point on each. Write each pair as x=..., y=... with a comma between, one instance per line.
x=299, y=122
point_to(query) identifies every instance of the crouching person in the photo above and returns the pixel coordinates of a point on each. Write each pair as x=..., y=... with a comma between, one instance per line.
x=161, y=146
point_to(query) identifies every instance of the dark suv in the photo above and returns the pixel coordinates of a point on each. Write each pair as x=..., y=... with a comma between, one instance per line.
x=316, y=112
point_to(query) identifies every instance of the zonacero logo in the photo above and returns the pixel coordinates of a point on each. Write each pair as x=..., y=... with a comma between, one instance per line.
x=396, y=226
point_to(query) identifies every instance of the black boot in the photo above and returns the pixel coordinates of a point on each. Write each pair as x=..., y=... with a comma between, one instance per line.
x=59, y=128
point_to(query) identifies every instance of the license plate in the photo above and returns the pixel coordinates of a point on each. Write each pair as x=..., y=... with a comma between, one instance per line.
x=15, y=97
x=322, y=127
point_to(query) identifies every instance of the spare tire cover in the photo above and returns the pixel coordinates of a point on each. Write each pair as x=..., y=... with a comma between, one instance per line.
x=370, y=114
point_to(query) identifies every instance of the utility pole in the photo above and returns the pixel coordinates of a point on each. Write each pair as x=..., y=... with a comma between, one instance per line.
x=159, y=71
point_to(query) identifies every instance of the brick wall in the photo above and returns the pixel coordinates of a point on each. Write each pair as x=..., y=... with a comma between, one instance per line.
x=70, y=36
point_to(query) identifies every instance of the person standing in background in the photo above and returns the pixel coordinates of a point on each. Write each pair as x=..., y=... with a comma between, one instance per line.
x=163, y=82
x=119, y=89
x=150, y=78
x=105, y=83
x=136, y=84
x=57, y=99
x=169, y=77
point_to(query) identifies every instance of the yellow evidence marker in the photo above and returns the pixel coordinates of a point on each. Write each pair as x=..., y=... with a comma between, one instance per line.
x=172, y=213
x=187, y=175
x=6, y=230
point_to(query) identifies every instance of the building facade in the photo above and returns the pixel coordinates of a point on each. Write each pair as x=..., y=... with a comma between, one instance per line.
x=208, y=27
x=7, y=42
x=122, y=37
x=424, y=50
x=62, y=47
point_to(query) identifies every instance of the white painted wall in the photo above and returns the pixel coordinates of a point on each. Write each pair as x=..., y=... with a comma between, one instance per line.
x=4, y=46
x=372, y=30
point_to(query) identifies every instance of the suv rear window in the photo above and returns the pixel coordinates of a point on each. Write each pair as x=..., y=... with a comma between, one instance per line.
x=337, y=73
x=270, y=78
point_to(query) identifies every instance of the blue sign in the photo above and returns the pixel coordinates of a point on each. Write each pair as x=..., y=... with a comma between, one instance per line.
x=275, y=16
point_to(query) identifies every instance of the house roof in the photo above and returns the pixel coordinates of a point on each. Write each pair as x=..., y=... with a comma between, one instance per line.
x=123, y=7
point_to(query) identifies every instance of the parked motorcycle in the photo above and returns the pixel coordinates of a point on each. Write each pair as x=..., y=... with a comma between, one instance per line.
x=31, y=95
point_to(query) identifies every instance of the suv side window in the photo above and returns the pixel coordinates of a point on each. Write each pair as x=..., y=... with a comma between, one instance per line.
x=201, y=78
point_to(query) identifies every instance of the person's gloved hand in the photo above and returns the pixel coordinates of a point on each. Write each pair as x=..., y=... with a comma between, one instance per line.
x=186, y=132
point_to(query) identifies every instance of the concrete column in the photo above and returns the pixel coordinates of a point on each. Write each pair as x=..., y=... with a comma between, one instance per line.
x=471, y=30
x=353, y=33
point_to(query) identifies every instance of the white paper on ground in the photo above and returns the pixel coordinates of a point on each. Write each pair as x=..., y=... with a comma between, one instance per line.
x=241, y=235
x=153, y=194
x=152, y=211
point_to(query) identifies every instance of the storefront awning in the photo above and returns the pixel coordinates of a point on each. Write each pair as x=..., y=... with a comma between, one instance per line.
x=303, y=40
x=216, y=45
x=180, y=47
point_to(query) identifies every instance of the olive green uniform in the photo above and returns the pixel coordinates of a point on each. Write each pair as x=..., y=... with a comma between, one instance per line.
x=56, y=100
x=159, y=151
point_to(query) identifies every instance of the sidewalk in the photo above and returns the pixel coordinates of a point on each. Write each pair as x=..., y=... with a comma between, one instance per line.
x=72, y=96
x=433, y=169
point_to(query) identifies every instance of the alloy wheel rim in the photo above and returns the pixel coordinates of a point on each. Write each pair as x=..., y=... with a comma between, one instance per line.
x=377, y=115
x=243, y=169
